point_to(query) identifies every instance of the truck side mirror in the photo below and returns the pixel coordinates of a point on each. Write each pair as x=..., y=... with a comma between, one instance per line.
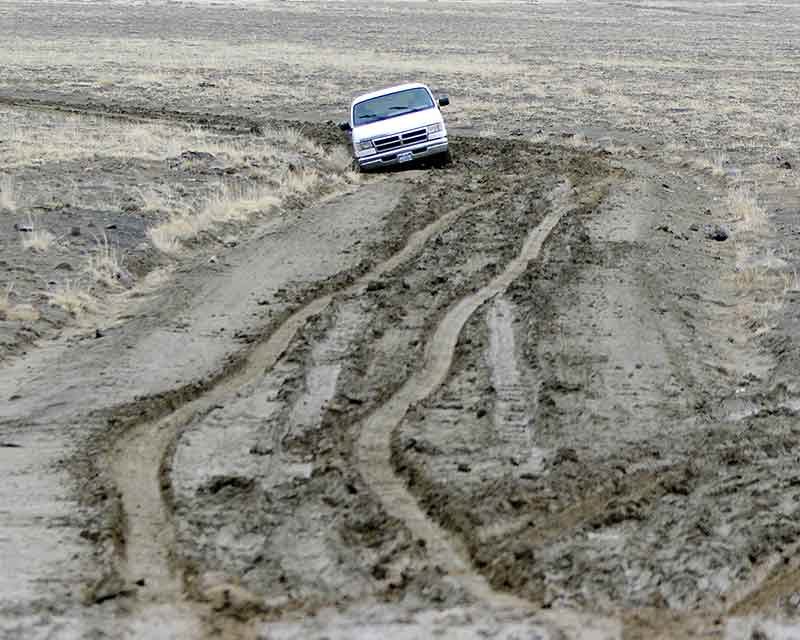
x=345, y=126
x=444, y=100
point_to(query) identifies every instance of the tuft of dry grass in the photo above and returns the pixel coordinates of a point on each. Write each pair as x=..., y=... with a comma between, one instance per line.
x=7, y=196
x=18, y=312
x=22, y=313
x=743, y=204
x=5, y=300
x=298, y=183
x=715, y=164
x=229, y=204
x=38, y=240
x=71, y=298
x=105, y=264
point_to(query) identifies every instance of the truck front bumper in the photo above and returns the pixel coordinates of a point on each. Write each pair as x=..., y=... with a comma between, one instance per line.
x=418, y=151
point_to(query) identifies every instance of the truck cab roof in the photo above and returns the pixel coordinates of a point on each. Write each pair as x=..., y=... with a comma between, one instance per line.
x=387, y=91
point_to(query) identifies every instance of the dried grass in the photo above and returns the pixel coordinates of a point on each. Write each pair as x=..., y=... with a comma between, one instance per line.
x=743, y=205
x=38, y=240
x=22, y=313
x=229, y=204
x=71, y=298
x=105, y=264
x=5, y=299
x=8, y=198
x=15, y=312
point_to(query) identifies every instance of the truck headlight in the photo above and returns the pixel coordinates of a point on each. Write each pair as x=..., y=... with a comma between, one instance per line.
x=364, y=145
x=434, y=128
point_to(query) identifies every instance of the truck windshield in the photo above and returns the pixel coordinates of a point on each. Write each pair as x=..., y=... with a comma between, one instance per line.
x=391, y=105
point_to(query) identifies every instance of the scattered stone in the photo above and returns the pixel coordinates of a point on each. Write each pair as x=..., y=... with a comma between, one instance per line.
x=212, y=260
x=197, y=155
x=694, y=227
x=786, y=165
x=376, y=285
x=565, y=454
x=10, y=445
x=260, y=449
x=23, y=228
x=113, y=225
x=463, y=467
x=98, y=333
x=716, y=232
x=663, y=227
x=125, y=278
x=63, y=266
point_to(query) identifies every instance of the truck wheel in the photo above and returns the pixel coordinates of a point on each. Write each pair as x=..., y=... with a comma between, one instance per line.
x=443, y=159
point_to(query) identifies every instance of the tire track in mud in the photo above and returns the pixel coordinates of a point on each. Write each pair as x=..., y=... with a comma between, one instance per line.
x=132, y=114
x=373, y=448
x=512, y=416
x=137, y=462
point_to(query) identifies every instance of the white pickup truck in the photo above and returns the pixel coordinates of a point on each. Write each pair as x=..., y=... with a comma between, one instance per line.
x=397, y=124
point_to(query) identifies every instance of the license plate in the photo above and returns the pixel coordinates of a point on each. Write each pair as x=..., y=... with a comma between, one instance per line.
x=406, y=156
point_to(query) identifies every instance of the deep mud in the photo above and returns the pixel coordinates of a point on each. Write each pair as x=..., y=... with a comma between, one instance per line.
x=517, y=395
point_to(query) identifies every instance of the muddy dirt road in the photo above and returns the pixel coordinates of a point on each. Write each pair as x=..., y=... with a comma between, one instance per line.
x=515, y=397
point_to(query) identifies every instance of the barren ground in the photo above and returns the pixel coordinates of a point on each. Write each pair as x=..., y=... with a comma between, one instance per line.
x=548, y=391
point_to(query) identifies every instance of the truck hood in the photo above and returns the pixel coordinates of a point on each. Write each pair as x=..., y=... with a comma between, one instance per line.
x=397, y=124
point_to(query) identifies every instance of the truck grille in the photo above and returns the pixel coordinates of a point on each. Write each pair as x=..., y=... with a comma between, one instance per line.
x=401, y=140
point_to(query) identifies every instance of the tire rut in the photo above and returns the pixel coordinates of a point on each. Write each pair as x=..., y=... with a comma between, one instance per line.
x=373, y=448
x=138, y=458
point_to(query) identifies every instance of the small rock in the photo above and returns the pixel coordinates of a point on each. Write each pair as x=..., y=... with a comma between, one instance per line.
x=75, y=231
x=694, y=227
x=212, y=260
x=125, y=278
x=98, y=333
x=260, y=449
x=786, y=164
x=63, y=266
x=716, y=232
x=376, y=285
x=197, y=155
x=111, y=226
x=463, y=467
x=23, y=228
x=565, y=454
